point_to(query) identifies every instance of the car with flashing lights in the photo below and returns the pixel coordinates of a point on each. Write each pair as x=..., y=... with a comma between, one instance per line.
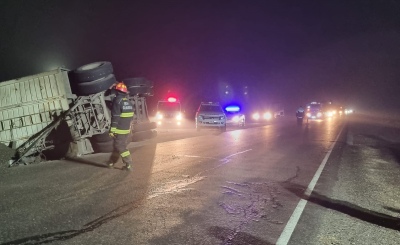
x=234, y=116
x=169, y=112
x=210, y=115
x=261, y=115
x=314, y=110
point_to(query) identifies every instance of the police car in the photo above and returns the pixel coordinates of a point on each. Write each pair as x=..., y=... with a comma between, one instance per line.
x=210, y=115
x=234, y=116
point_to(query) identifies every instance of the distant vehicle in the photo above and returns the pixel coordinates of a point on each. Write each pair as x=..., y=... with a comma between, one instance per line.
x=314, y=110
x=278, y=110
x=234, y=116
x=261, y=115
x=210, y=115
x=169, y=112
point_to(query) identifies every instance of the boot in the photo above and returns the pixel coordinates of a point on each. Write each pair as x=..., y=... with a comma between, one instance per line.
x=128, y=167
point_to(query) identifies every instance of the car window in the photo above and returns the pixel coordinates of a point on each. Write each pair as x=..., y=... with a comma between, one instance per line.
x=168, y=106
x=315, y=106
x=210, y=108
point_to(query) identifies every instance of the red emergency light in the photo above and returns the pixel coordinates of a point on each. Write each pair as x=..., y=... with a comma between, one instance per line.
x=171, y=99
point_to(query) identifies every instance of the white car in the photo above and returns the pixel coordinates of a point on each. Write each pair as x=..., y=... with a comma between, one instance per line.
x=234, y=117
x=210, y=115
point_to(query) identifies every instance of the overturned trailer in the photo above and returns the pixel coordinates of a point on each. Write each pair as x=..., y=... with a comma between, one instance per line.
x=66, y=113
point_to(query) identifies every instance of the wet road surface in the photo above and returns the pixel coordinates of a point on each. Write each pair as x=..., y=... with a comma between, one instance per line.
x=242, y=186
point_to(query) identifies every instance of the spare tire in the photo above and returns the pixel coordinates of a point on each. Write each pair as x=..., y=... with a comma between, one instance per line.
x=95, y=86
x=92, y=71
x=137, y=82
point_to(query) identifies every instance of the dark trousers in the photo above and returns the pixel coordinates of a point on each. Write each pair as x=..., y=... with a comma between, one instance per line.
x=120, y=143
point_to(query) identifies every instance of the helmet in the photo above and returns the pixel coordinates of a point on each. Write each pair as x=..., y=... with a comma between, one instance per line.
x=121, y=87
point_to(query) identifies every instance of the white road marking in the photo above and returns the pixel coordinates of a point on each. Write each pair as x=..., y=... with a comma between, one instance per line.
x=294, y=219
x=223, y=159
x=193, y=156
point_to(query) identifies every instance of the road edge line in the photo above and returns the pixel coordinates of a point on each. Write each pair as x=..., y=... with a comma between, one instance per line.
x=298, y=211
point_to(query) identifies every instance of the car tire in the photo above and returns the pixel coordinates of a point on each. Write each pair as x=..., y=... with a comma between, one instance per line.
x=95, y=86
x=137, y=82
x=92, y=71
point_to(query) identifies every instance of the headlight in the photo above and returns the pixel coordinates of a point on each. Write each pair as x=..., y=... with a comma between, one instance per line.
x=236, y=118
x=329, y=113
x=308, y=114
x=159, y=116
x=221, y=118
x=179, y=117
x=319, y=114
x=267, y=116
x=256, y=116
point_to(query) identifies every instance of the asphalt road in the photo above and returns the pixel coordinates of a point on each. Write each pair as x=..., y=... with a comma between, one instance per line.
x=325, y=182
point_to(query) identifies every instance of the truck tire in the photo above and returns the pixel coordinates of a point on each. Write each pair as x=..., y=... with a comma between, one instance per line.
x=95, y=86
x=103, y=147
x=144, y=126
x=104, y=137
x=143, y=135
x=92, y=71
x=141, y=91
x=137, y=82
x=107, y=146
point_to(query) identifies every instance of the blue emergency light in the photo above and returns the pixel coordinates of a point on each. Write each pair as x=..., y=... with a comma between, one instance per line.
x=232, y=108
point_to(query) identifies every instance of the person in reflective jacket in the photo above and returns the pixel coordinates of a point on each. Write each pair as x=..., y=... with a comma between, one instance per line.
x=121, y=117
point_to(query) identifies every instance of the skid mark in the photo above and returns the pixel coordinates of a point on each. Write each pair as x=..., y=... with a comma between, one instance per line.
x=250, y=202
x=174, y=186
x=193, y=156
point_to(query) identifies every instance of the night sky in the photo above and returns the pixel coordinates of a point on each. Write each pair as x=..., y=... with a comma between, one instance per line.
x=284, y=51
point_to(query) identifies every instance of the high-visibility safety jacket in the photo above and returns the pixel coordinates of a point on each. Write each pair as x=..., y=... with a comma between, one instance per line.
x=121, y=114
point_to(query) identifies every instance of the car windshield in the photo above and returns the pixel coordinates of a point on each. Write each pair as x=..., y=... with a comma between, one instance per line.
x=315, y=106
x=232, y=113
x=168, y=106
x=210, y=108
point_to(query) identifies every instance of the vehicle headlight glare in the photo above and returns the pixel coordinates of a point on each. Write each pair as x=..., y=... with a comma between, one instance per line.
x=256, y=116
x=267, y=116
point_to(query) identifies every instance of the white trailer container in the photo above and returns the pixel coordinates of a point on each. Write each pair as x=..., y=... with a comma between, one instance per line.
x=29, y=104
x=42, y=115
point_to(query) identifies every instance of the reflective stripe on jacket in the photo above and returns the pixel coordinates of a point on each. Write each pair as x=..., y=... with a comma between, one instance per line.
x=121, y=114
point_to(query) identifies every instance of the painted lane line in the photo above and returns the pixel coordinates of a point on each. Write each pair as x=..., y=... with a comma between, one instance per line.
x=193, y=156
x=241, y=152
x=294, y=219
